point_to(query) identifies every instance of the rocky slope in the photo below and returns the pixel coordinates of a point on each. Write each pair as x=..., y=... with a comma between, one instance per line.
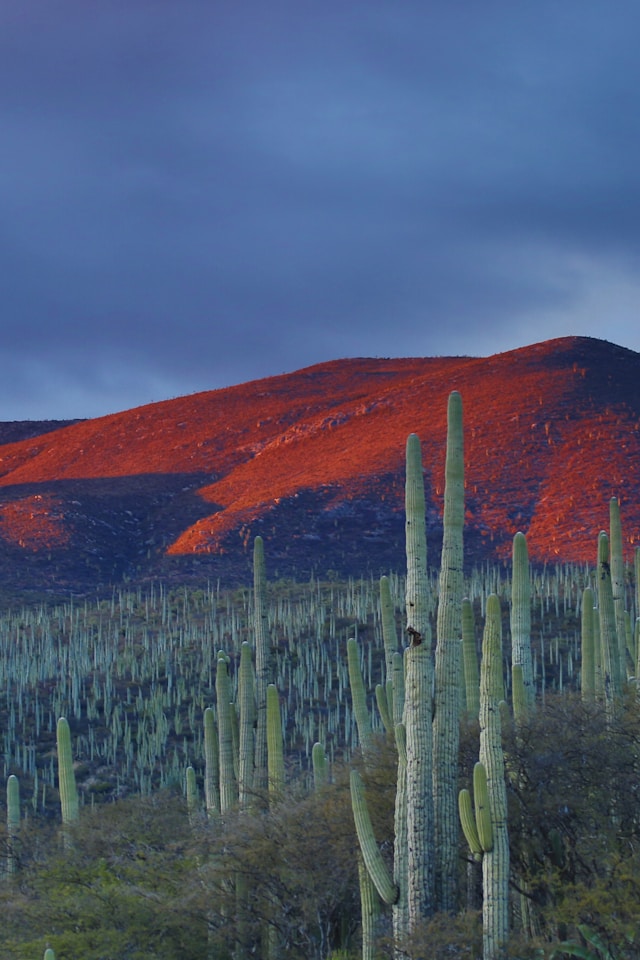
x=313, y=461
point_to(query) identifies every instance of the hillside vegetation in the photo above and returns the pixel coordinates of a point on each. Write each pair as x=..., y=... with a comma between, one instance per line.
x=283, y=771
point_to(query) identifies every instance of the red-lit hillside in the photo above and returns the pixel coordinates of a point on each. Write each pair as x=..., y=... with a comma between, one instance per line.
x=313, y=461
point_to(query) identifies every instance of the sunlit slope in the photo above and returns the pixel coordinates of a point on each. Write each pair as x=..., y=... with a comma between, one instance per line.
x=313, y=461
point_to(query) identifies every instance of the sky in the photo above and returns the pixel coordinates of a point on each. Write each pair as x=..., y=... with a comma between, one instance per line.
x=197, y=193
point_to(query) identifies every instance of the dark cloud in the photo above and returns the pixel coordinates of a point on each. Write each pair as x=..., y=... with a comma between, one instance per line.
x=197, y=194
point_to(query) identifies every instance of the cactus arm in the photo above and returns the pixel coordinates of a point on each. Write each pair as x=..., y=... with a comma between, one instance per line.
x=482, y=807
x=383, y=707
x=376, y=867
x=468, y=822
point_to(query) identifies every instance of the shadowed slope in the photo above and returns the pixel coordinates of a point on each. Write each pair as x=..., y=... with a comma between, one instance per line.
x=314, y=461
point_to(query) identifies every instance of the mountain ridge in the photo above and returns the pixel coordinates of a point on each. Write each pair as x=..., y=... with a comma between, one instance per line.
x=313, y=461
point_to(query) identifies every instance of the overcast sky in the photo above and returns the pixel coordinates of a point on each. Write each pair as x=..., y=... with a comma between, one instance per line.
x=195, y=193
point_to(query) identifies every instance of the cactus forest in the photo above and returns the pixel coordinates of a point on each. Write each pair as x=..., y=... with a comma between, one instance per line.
x=443, y=763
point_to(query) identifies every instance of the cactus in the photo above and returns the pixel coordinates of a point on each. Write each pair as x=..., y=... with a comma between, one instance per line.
x=227, y=778
x=49, y=954
x=275, y=748
x=476, y=819
x=359, y=699
x=211, y=765
x=470, y=661
x=519, y=699
x=588, y=672
x=390, y=640
x=617, y=584
x=397, y=680
x=521, y=615
x=446, y=722
x=320, y=766
x=612, y=684
x=376, y=867
x=383, y=706
x=13, y=821
x=495, y=862
x=263, y=664
x=246, y=704
x=66, y=775
x=400, y=855
x=191, y=789
x=418, y=704
x=369, y=911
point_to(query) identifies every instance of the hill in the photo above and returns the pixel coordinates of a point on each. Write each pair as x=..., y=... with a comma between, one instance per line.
x=314, y=462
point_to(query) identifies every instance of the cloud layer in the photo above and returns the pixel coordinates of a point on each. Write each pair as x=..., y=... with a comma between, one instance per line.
x=198, y=194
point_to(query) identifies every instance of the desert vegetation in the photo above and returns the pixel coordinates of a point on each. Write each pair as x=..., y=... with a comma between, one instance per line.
x=277, y=771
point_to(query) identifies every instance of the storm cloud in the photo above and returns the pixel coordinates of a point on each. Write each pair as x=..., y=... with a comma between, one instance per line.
x=197, y=194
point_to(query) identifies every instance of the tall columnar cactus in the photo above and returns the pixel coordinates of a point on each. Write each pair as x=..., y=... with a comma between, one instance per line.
x=470, y=661
x=211, y=765
x=617, y=583
x=275, y=744
x=66, y=775
x=495, y=862
x=227, y=777
x=612, y=681
x=263, y=662
x=247, y=720
x=521, y=615
x=588, y=671
x=418, y=704
x=446, y=722
x=390, y=640
x=359, y=699
x=13, y=822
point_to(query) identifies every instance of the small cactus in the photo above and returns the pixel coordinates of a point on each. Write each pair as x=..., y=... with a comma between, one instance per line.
x=66, y=775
